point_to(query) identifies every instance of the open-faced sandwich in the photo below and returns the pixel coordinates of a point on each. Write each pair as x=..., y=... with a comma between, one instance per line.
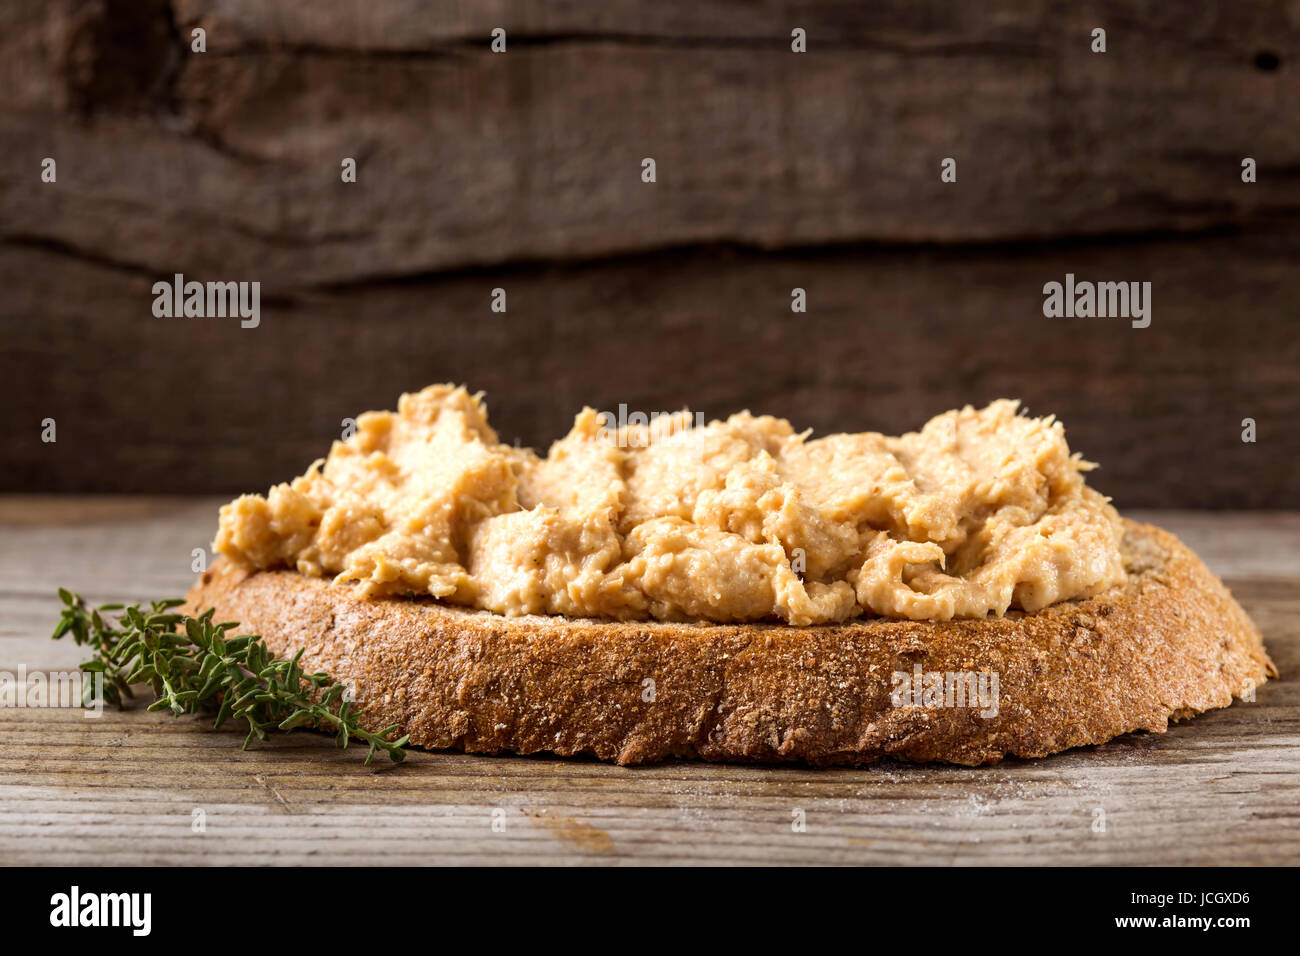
x=661, y=587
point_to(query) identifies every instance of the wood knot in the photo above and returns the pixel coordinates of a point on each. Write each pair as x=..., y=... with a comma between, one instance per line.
x=120, y=56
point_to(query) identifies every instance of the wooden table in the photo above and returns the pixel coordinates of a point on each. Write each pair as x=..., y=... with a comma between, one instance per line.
x=131, y=787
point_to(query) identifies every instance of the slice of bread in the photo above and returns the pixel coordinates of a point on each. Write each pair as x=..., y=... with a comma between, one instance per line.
x=1168, y=644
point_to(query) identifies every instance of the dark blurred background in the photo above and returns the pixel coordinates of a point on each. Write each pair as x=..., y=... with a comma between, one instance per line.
x=522, y=170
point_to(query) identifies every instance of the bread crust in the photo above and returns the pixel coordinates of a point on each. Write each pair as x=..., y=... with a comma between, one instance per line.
x=1170, y=643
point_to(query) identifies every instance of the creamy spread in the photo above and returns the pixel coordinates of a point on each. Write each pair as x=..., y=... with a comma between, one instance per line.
x=745, y=519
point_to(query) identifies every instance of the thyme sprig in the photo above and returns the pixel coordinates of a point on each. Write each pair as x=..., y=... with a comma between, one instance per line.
x=193, y=666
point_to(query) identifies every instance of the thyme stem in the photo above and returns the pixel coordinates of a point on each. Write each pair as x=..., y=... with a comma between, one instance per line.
x=193, y=666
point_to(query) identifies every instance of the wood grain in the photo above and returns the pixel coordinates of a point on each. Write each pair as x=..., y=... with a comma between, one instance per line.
x=521, y=171
x=225, y=164
x=1222, y=788
x=890, y=338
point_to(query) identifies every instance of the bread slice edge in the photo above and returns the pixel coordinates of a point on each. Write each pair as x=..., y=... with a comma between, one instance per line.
x=1171, y=642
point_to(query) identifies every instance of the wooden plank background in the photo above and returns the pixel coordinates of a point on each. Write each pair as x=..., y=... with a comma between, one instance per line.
x=471, y=158
x=1223, y=788
x=521, y=171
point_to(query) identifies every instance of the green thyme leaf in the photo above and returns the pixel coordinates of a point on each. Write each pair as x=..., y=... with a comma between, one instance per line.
x=193, y=667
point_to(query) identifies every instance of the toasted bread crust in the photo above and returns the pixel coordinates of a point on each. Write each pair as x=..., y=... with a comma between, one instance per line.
x=1170, y=643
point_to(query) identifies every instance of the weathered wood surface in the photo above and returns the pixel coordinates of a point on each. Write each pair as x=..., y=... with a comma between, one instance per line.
x=890, y=338
x=225, y=164
x=123, y=789
x=518, y=170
